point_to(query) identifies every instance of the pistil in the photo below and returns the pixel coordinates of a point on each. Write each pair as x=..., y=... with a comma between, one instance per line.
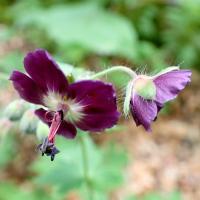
x=48, y=147
x=56, y=121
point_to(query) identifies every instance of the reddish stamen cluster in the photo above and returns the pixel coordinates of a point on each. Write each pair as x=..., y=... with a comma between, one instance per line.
x=55, y=124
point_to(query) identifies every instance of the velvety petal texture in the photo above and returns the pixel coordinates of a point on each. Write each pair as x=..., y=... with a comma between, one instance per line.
x=27, y=88
x=89, y=105
x=45, y=72
x=41, y=113
x=99, y=104
x=169, y=84
x=143, y=111
x=67, y=130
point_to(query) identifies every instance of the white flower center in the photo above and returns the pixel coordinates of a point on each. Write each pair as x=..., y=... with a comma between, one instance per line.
x=72, y=110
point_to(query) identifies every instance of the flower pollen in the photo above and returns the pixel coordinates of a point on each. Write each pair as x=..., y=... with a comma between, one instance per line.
x=72, y=110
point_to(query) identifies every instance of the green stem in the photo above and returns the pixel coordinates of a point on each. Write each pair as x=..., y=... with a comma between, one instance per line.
x=86, y=168
x=124, y=69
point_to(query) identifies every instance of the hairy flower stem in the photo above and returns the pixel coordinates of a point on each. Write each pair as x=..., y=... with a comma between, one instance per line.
x=86, y=168
x=122, y=69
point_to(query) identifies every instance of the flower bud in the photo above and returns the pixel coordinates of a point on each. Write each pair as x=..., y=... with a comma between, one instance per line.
x=15, y=109
x=5, y=127
x=150, y=93
x=144, y=87
x=28, y=122
x=42, y=131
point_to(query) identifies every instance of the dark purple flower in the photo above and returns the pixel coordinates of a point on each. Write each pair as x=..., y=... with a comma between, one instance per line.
x=88, y=104
x=150, y=93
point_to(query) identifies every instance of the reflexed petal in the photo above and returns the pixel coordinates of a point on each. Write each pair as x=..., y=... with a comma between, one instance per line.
x=45, y=72
x=41, y=113
x=143, y=111
x=168, y=85
x=166, y=70
x=27, y=88
x=99, y=104
x=67, y=130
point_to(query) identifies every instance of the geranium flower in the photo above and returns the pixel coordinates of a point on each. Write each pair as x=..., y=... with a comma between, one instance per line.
x=149, y=93
x=88, y=104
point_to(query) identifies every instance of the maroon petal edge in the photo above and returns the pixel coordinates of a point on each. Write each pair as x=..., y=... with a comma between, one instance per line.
x=45, y=71
x=27, y=88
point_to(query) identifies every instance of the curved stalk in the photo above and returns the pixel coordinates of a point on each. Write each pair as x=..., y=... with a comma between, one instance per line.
x=123, y=69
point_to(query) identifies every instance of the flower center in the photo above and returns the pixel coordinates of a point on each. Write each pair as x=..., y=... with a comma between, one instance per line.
x=72, y=110
x=145, y=87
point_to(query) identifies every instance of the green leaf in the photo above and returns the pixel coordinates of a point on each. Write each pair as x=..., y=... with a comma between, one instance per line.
x=8, y=148
x=175, y=195
x=10, y=191
x=66, y=172
x=11, y=61
x=15, y=109
x=5, y=34
x=42, y=131
x=119, y=79
x=74, y=73
x=85, y=25
x=29, y=121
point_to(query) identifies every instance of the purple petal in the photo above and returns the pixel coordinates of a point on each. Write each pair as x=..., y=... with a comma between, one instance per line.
x=45, y=72
x=67, y=130
x=99, y=103
x=27, y=88
x=143, y=111
x=98, y=122
x=159, y=106
x=41, y=114
x=169, y=84
x=95, y=94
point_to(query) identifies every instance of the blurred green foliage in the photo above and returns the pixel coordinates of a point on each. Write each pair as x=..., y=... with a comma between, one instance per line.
x=74, y=27
x=11, y=61
x=66, y=173
x=10, y=191
x=156, y=195
x=8, y=148
x=94, y=34
x=150, y=33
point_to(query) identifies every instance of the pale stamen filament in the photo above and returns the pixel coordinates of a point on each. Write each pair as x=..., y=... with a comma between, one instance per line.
x=56, y=121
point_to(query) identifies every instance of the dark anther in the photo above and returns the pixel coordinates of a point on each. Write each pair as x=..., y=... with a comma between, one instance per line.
x=48, y=148
x=61, y=114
